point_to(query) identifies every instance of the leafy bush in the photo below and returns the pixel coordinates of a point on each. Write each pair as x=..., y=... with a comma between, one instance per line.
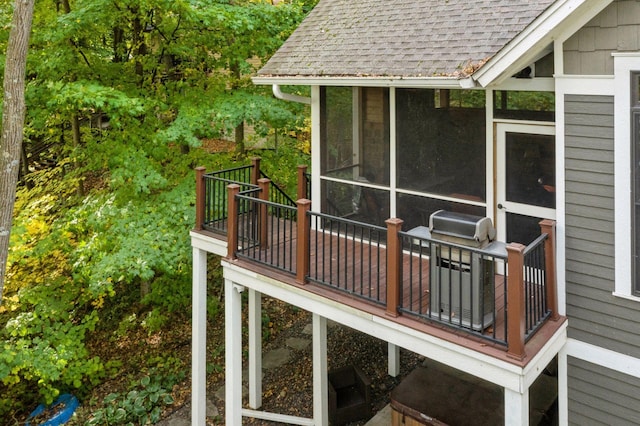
x=140, y=406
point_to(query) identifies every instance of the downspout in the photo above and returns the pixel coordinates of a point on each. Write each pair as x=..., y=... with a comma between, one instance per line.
x=289, y=97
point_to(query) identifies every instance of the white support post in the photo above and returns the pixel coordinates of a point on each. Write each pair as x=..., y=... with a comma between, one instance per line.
x=233, y=353
x=199, y=338
x=320, y=379
x=516, y=407
x=394, y=359
x=563, y=387
x=255, y=349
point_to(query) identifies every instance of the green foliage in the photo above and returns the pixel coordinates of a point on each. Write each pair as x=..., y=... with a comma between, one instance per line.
x=108, y=208
x=140, y=406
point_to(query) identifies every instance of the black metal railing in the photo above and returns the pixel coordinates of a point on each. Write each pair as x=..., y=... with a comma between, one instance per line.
x=349, y=256
x=276, y=194
x=535, y=290
x=216, y=198
x=266, y=234
x=307, y=184
x=455, y=285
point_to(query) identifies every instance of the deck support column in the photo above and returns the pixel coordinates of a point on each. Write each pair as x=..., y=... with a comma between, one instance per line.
x=255, y=170
x=233, y=353
x=515, y=304
x=394, y=359
x=232, y=226
x=549, y=227
x=263, y=222
x=200, y=198
x=394, y=265
x=320, y=378
x=563, y=389
x=255, y=349
x=516, y=407
x=304, y=236
x=302, y=183
x=199, y=338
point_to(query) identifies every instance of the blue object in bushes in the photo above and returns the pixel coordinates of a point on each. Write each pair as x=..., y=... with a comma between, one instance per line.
x=60, y=417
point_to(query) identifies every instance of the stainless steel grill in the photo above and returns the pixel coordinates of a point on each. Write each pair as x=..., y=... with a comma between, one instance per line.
x=462, y=280
x=460, y=228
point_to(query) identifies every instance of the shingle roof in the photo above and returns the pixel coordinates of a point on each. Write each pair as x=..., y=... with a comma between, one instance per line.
x=401, y=38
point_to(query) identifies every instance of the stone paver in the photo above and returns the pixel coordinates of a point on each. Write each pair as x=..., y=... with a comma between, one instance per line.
x=276, y=358
x=298, y=343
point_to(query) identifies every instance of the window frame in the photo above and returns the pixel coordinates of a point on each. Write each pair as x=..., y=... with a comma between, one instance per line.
x=625, y=65
x=634, y=140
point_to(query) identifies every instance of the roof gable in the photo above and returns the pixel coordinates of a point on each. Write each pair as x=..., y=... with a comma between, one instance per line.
x=401, y=38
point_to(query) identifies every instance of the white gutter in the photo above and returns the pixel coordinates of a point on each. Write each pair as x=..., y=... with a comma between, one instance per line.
x=401, y=82
x=289, y=97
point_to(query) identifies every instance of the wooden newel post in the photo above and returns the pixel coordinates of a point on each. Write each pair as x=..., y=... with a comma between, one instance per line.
x=304, y=238
x=302, y=183
x=394, y=265
x=255, y=170
x=200, y=197
x=548, y=227
x=263, y=222
x=515, y=301
x=232, y=220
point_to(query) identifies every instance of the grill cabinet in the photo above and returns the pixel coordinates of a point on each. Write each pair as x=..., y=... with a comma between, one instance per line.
x=461, y=280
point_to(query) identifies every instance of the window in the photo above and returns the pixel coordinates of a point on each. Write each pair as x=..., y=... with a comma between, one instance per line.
x=438, y=134
x=519, y=105
x=355, y=146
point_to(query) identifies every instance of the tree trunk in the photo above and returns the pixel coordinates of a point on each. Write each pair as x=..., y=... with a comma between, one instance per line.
x=239, y=130
x=13, y=116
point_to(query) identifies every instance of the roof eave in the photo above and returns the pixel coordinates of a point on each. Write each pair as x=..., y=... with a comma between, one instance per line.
x=519, y=53
x=398, y=81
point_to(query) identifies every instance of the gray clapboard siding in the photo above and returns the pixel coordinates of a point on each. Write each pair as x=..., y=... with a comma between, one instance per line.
x=601, y=396
x=594, y=213
x=594, y=313
x=596, y=395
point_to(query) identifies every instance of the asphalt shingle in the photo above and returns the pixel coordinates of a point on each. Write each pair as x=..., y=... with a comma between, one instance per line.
x=401, y=38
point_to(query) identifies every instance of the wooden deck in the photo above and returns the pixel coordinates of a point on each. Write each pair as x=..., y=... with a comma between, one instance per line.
x=352, y=271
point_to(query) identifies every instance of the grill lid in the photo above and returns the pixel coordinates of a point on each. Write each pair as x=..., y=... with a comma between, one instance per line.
x=467, y=228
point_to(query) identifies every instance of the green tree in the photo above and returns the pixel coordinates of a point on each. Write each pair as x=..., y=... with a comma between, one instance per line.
x=117, y=94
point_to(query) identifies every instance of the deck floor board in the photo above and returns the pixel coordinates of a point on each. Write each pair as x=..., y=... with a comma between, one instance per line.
x=356, y=267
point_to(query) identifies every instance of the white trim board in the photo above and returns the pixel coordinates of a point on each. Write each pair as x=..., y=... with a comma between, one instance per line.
x=603, y=357
x=624, y=64
x=584, y=85
x=499, y=372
